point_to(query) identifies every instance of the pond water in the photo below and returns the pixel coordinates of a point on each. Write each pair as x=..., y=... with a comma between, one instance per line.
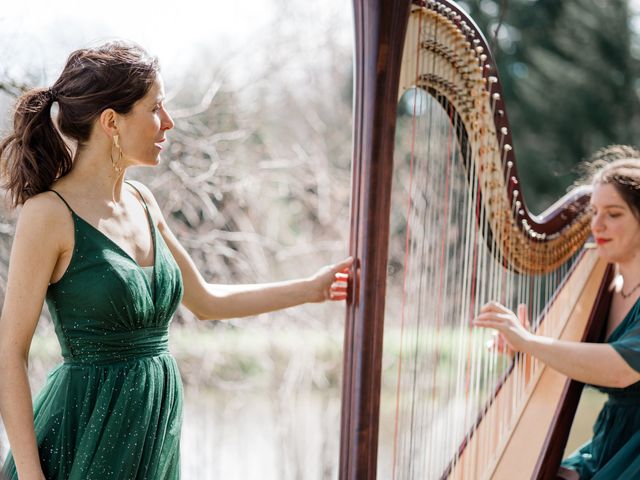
x=285, y=435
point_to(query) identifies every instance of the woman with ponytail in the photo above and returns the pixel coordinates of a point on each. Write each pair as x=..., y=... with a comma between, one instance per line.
x=98, y=250
x=35, y=151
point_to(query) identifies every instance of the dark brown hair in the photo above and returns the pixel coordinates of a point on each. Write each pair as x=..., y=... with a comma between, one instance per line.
x=114, y=75
x=619, y=166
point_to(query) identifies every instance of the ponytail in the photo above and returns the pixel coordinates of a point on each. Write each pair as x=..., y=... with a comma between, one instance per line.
x=34, y=154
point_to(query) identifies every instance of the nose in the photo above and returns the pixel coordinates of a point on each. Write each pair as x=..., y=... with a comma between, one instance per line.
x=597, y=225
x=167, y=121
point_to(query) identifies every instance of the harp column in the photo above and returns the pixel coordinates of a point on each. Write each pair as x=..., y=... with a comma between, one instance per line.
x=380, y=27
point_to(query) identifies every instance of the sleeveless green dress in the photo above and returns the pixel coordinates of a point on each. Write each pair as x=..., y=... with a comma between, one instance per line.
x=614, y=450
x=113, y=408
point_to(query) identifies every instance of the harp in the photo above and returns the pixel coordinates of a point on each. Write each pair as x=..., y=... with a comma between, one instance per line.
x=439, y=226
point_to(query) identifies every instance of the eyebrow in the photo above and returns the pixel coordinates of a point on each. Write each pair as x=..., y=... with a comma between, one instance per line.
x=610, y=206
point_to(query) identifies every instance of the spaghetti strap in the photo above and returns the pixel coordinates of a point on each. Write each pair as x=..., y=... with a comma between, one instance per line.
x=134, y=187
x=143, y=200
x=62, y=198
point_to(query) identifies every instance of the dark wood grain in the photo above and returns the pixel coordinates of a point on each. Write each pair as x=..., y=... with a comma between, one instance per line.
x=380, y=30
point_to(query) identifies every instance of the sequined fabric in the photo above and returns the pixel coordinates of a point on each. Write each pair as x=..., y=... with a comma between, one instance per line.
x=113, y=408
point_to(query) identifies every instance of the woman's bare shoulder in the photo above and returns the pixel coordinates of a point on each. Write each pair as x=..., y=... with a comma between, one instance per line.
x=46, y=214
x=45, y=206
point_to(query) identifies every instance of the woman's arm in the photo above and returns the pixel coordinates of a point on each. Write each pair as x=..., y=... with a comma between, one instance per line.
x=232, y=301
x=33, y=256
x=216, y=302
x=593, y=363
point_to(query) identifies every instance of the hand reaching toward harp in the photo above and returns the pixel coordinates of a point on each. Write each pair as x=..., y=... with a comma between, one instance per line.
x=513, y=331
x=331, y=282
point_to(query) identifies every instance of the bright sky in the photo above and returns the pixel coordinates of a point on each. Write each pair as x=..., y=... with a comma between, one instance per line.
x=43, y=32
x=39, y=34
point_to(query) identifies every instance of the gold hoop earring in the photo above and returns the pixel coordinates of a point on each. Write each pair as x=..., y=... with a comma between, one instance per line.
x=116, y=163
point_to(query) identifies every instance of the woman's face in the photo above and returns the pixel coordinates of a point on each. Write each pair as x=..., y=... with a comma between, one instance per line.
x=142, y=130
x=615, y=228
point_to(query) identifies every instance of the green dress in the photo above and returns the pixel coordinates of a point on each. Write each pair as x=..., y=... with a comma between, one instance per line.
x=614, y=450
x=113, y=408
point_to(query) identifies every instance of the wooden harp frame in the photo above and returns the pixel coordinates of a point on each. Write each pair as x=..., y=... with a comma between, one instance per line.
x=380, y=31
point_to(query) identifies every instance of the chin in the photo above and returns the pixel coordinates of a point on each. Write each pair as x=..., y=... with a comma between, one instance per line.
x=606, y=256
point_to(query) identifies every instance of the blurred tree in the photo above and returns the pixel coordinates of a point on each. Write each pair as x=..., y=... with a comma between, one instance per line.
x=570, y=74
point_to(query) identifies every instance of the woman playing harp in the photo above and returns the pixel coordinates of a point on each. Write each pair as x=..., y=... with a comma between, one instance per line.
x=614, y=366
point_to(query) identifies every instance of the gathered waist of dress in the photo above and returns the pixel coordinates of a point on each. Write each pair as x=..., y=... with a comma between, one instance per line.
x=107, y=347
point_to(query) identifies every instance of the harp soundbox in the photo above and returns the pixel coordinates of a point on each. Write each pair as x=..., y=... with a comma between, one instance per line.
x=439, y=226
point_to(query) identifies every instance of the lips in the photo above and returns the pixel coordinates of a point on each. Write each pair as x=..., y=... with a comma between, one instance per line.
x=602, y=241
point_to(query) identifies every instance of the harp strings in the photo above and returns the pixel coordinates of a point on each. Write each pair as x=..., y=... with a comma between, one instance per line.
x=414, y=107
x=446, y=260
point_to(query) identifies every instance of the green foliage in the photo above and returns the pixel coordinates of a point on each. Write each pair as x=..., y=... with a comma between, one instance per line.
x=570, y=80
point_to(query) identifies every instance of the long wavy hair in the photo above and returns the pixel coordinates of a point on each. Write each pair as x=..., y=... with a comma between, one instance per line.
x=113, y=75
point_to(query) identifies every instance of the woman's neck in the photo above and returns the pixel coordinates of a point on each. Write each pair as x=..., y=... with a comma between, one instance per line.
x=94, y=176
x=630, y=272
